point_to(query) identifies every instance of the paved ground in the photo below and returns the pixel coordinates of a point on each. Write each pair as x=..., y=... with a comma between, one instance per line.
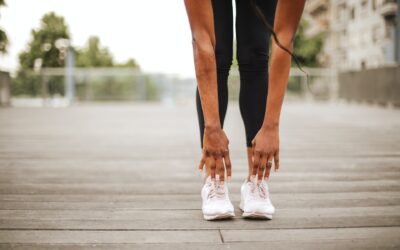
x=124, y=176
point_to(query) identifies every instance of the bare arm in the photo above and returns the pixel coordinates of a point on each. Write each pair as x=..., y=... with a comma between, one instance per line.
x=215, y=142
x=287, y=18
x=266, y=142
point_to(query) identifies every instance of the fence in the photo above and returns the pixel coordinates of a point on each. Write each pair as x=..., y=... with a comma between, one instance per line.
x=380, y=86
x=127, y=84
x=5, y=86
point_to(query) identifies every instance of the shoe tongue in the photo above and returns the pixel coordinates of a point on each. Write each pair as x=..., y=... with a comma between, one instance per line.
x=252, y=181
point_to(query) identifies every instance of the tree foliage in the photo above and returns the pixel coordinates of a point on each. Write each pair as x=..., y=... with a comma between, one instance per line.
x=42, y=46
x=3, y=35
x=307, y=48
x=94, y=55
x=130, y=63
x=43, y=43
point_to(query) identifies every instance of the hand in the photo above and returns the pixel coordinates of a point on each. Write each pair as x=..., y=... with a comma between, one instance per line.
x=265, y=150
x=216, y=153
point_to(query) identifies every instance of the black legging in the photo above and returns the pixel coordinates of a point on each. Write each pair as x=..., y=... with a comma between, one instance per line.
x=252, y=56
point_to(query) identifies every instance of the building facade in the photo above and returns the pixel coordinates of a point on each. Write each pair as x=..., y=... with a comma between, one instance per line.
x=359, y=34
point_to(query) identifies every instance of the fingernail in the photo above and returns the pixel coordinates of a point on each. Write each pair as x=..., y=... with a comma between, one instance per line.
x=266, y=178
x=222, y=182
x=229, y=178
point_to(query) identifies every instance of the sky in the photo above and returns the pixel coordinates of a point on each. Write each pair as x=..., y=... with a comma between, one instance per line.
x=154, y=32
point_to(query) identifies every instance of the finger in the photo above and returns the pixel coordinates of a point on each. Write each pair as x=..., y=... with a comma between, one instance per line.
x=228, y=165
x=201, y=164
x=210, y=162
x=256, y=163
x=263, y=164
x=269, y=165
x=220, y=169
x=276, y=159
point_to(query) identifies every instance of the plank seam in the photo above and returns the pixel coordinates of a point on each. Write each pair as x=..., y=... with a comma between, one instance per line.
x=197, y=229
x=221, y=236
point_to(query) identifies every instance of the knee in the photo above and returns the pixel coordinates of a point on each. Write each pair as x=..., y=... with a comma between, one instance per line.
x=224, y=58
x=253, y=58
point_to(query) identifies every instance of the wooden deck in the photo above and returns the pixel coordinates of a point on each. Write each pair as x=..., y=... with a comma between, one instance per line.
x=124, y=176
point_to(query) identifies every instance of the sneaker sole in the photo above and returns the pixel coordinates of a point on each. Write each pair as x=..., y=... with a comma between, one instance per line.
x=219, y=216
x=257, y=216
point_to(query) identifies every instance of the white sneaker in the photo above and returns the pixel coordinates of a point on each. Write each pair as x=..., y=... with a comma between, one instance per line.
x=216, y=202
x=255, y=201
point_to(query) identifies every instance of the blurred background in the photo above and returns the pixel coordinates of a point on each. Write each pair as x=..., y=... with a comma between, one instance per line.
x=99, y=141
x=64, y=53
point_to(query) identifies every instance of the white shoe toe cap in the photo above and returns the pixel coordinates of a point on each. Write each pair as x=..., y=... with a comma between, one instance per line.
x=259, y=207
x=218, y=209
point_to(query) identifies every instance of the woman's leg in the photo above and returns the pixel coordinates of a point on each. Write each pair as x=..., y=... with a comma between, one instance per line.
x=252, y=55
x=223, y=25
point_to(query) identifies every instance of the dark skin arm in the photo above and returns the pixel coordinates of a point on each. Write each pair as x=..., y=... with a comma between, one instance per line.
x=266, y=142
x=215, y=155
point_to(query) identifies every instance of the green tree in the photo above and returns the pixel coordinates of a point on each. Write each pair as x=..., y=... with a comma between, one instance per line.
x=3, y=35
x=307, y=48
x=130, y=63
x=94, y=55
x=42, y=46
x=43, y=43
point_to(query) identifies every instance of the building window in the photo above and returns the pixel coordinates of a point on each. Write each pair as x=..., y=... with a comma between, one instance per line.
x=341, y=12
x=376, y=33
x=364, y=4
x=374, y=4
x=389, y=30
x=363, y=65
x=364, y=7
x=352, y=13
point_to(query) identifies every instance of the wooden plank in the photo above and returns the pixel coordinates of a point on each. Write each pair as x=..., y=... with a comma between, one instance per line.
x=65, y=187
x=115, y=214
x=355, y=244
x=67, y=163
x=194, y=197
x=93, y=177
x=310, y=234
x=108, y=237
x=191, y=204
x=370, y=238
x=190, y=188
x=196, y=221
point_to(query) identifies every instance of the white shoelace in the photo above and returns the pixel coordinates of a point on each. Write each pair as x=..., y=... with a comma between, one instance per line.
x=263, y=191
x=260, y=189
x=217, y=191
x=253, y=191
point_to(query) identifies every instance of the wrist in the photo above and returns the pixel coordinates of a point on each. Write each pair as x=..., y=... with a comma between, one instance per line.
x=212, y=126
x=270, y=125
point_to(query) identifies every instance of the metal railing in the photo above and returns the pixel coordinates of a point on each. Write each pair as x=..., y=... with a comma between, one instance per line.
x=128, y=84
